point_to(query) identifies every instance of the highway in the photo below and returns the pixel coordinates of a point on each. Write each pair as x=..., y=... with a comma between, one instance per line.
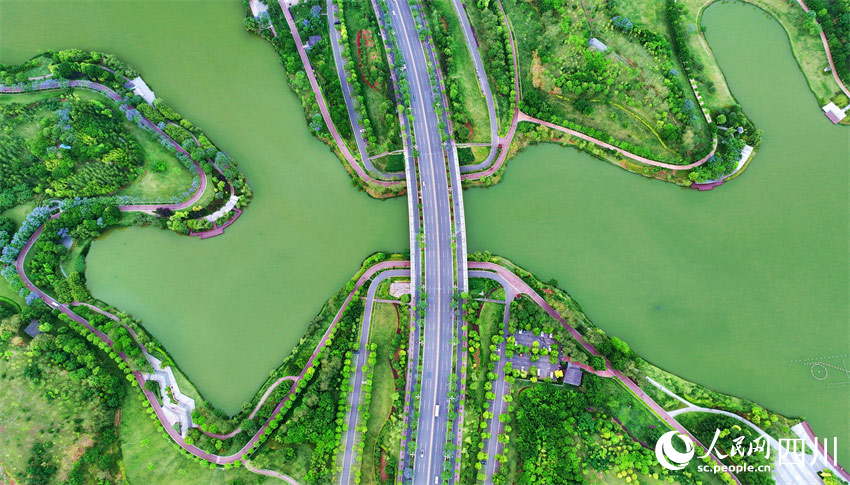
x=436, y=211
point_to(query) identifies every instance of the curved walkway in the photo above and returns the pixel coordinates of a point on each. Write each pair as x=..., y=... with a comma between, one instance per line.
x=522, y=288
x=798, y=470
x=320, y=100
x=637, y=158
x=357, y=380
x=109, y=93
x=269, y=473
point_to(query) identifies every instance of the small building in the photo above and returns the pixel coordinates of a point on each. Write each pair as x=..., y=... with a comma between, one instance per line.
x=597, y=44
x=141, y=88
x=834, y=113
x=32, y=329
x=573, y=374
x=64, y=146
x=313, y=40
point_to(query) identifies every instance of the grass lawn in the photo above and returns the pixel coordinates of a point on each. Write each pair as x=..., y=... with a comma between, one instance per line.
x=390, y=163
x=460, y=75
x=51, y=411
x=150, y=458
x=384, y=325
x=151, y=185
x=20, y=212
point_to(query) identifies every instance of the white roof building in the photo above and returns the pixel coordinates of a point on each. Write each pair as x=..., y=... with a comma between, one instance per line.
x=141, y=88
x=834, y=113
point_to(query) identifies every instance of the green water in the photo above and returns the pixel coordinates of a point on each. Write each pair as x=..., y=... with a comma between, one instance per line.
x=229, y=309
x=725, y=287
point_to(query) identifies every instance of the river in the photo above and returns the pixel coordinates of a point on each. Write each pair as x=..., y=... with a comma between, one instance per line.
x=726, y=288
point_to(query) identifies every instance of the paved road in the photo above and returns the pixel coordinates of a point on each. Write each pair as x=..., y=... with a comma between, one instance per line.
x=506, y=141
x=320, y=100
x=357, y=380
x=439, y=280
x=500, y=386
x=483, y=83
x=353, y=114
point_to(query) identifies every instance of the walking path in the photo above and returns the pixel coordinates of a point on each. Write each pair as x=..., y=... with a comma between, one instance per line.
x=638, y=158
x=320, y=100
x=269, y=473
x=521, y=288
x=795, y=468
x=349, y=457
x=109, y=93
x=828, y=55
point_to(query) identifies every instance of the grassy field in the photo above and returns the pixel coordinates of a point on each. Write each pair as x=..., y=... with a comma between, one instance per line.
x=626, y=92
x=460, y=75
x=51, y=411
x=150, y=458
x=152, y=185
x=384, y=325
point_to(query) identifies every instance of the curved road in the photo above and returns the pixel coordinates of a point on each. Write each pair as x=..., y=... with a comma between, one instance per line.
x=353, y=115
x=320, y=100
x=245, y=451
x=483, y=83
x=357, y=380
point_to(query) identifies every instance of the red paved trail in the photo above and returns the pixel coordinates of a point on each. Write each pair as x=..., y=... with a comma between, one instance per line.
x=828, y=54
